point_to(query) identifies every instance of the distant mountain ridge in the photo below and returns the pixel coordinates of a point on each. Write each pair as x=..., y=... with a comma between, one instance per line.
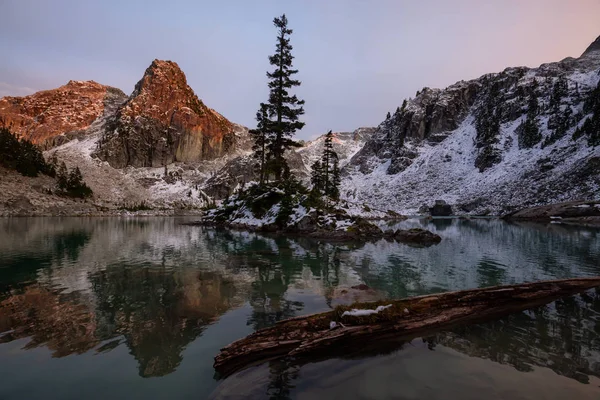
x=45, y=117
x=161, y=122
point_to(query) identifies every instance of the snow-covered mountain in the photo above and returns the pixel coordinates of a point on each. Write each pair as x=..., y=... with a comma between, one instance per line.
x=487, y=146
x=503, y=141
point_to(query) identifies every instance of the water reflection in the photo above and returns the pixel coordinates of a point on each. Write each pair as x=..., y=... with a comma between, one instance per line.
x=154, y=287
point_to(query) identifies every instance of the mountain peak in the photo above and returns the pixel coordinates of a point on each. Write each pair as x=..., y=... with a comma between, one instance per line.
x=594, y=47
x=163, y=74
x=164, y=111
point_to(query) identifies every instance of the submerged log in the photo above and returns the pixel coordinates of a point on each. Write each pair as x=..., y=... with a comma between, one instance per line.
x=335, y=332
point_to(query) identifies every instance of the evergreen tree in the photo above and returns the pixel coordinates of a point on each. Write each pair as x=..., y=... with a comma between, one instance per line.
x=62, y=176
x=326, y=161
x=530, y=134
x=591, y=126
x=22, y=155
x=76, y=187
x=335, y=180
x=283, y=109
x=316, y=178
x=260, y=135
x=388, y=116
x=325, y=175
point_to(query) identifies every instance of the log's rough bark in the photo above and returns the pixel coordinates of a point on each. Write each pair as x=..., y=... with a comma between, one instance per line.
x=311, y=336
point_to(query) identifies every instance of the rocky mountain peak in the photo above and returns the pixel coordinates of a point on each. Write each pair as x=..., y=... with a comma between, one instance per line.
x=44, y=116
x=163, y=122
x=593, y=48
x=163, y=93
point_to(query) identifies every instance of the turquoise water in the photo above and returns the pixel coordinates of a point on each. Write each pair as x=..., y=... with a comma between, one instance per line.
x=137, y=308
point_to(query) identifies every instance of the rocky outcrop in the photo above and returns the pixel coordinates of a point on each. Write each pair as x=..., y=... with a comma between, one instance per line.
x=431, y=116
x=52, y=117
x=585, y=212
x=162, y=122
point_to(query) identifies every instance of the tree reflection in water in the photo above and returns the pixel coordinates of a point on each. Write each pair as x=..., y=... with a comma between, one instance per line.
x=94, y=285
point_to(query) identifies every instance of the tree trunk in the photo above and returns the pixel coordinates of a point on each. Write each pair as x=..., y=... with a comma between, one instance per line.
x=310, y=337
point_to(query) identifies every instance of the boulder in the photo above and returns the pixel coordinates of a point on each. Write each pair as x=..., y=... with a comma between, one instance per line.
x=308, y=223
x=364, y=229
x=441, y=209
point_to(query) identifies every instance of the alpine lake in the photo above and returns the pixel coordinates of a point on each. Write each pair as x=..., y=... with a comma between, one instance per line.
x=137, y=308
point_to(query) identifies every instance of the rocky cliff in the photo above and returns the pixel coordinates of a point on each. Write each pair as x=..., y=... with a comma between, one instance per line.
x=50, y=117
x=521, y=137
x=162, y=122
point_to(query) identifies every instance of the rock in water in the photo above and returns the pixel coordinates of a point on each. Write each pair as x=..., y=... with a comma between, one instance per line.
x=417, y=236
x=164, y=121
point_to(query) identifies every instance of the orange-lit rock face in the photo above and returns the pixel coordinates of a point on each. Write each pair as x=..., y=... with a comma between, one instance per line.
x=45, y=115
x=164, y=121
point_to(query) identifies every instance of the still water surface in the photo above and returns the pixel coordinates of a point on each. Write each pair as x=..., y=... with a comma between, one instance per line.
x=137, y=308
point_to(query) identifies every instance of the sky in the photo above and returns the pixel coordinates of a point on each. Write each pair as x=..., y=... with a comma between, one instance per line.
x=357, y=60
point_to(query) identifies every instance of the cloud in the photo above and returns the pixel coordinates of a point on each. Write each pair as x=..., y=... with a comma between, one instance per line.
x=6, y=89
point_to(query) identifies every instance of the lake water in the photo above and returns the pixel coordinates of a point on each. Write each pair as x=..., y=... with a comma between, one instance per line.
x=137, y=308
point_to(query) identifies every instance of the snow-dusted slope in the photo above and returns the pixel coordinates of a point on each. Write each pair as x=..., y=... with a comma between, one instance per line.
x=345, y=144
x=176, y=186
x=242, y=170
x=436, y=147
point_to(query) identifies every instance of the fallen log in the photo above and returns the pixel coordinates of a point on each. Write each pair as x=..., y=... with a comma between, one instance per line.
x=346, y=327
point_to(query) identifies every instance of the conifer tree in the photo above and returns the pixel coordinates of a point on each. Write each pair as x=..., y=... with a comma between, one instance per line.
x=335, y=180
x=530, y=134
x=388, y=116
x=283, y=109
x=591, y=126
x=62, y=176
x=260, y=135
x=316, y=178
x=326, y=160
x=325, y=175
x=76, y=187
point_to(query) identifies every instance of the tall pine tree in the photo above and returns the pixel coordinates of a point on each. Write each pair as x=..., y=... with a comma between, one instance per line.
x=283, y=108
x=325, y=175
x=316, y=178
x=335, y=180
x=326, y=162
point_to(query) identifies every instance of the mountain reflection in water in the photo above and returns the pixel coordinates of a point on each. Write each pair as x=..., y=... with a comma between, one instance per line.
x=78, y=286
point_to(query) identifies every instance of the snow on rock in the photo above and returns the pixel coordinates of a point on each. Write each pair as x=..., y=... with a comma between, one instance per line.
x=364, y=312
x=428, y=150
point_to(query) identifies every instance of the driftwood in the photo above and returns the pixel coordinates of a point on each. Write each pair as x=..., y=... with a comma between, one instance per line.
x=312, y=336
